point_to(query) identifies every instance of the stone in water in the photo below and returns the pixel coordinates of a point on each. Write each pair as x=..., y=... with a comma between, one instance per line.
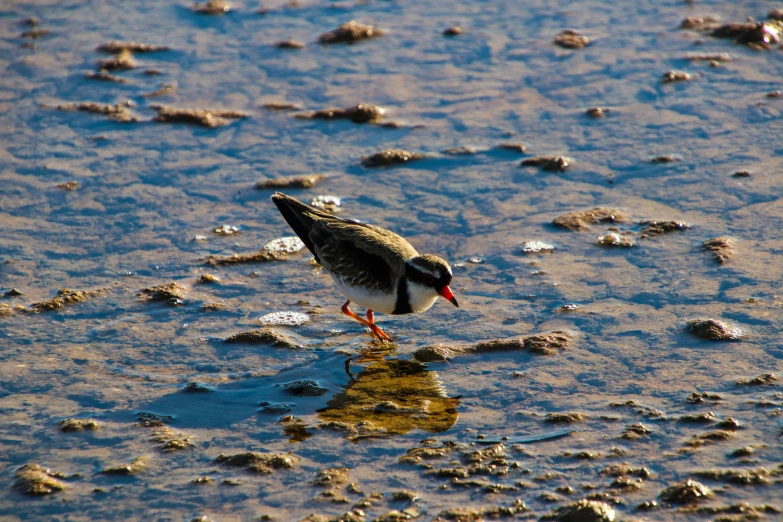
x=284, y=319
x=284, y=245
x=531, y=247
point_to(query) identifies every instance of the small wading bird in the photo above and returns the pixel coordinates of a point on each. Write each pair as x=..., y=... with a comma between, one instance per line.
x=371, y=266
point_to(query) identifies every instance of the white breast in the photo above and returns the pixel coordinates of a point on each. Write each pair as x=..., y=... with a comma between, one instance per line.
x=378, y=301
x=421, y=297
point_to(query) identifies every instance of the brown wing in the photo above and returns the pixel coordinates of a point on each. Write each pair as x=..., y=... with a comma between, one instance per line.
x=361, y=254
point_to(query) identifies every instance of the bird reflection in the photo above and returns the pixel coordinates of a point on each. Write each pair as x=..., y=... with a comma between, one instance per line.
x=392, y=397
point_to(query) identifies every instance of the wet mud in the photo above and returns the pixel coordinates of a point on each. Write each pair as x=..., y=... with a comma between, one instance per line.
x=161, y=352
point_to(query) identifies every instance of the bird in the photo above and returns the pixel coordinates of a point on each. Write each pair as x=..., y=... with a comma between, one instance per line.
x=371, y=266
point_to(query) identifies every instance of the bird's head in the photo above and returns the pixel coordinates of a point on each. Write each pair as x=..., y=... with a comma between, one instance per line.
x=430, y=275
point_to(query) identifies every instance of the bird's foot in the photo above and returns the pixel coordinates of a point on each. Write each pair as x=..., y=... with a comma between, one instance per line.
x=374, y=328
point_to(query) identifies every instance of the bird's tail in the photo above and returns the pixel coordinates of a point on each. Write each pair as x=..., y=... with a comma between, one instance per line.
x=299, y=216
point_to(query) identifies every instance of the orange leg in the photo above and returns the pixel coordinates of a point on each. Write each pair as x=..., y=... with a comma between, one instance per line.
x=375, y=328
x=370, y=324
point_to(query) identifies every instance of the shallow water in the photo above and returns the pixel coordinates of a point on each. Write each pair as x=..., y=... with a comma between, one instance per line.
x=147, y=190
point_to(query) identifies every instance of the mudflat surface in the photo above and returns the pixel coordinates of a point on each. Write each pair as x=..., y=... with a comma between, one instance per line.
x=148, y=196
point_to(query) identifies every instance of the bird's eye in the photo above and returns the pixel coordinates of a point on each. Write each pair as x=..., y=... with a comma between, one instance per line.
x=428, y=279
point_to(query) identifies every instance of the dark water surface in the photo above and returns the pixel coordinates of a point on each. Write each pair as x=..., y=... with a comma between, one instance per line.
x=148, y=190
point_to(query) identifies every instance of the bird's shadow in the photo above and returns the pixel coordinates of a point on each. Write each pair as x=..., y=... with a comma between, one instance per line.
x=303, y=388
x=396, y=395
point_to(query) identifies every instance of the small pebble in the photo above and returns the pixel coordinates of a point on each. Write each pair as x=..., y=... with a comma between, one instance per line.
x=532, y=247
x=287, y=245
x=284, y=319
x=226, y=230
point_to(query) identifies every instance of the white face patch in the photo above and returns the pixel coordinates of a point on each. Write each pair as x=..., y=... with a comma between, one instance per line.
x=421, y=297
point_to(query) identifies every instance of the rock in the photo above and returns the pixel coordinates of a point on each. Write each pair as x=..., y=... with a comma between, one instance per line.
x=207, y=279
x=535, y=247
x=71, y=425
x=614, y=239
x=676, y=76
x=713, y=330
x=197, y=387
x=262, y=336
x=583, y=511
x=284, y=319
x=327, y=203
x=259, y=462
x=69, y=186
x=761, y=34
x=581, y=220
x=121, y=62
x=274, y=409
x=664, y=158
x=566, y=418
x=116, y=47
x=296, y=182
x=390, y=157
x=570, y=39
x=33, y=479
x=136, y=466
x=405, y=495
x=212, y=7
x=625, y=469
x=550, y=163
x=597, y=112
x=546, y=344
x=281, y=106
x=657, y=228
x=305, y=387
x=362, y=113
x=289, y=44
x=696, y=23
x=516, y=147
x=209, y=118
x=332, y=477
x=262, y=256
x=225, y=230
x=765, y=379
x=284, y=245
x=460, y=151
x=714, y=57
x=65, y=297
x=688, y=492
x=721, y=247
x=117, y=112
x=698, y=418
x=349, y=32
x=738, y=476
x=436, y=353
x=635, y=431
x=164, y=292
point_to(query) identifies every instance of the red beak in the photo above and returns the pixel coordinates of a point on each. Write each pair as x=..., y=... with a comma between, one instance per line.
x=446, y=292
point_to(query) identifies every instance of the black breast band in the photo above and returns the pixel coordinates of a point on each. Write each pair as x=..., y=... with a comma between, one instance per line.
x=403, y=305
